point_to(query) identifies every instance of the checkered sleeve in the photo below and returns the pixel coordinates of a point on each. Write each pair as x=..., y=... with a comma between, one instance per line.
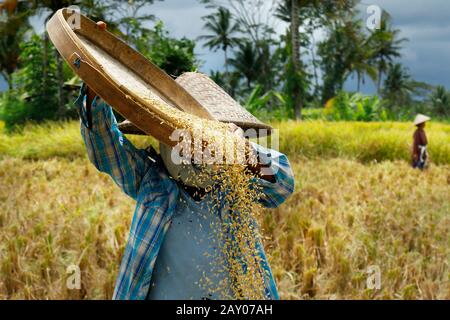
x=108, y=149
x=275, y=193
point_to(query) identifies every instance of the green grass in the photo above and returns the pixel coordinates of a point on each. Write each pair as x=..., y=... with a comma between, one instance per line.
x=364, y=142
x=48, y=140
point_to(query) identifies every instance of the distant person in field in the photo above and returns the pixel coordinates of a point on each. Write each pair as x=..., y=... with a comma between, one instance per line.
x=162, y=259
x=420, y=142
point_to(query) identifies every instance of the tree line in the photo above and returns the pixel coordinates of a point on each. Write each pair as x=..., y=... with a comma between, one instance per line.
x=276, y=74
x=295, y=69
x=41, y=86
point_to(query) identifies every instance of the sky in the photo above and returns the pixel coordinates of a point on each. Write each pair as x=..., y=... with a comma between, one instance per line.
x=425, y=23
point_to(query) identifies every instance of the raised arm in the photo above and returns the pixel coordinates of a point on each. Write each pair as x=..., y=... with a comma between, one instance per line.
x=107, y=148
x=278, y=183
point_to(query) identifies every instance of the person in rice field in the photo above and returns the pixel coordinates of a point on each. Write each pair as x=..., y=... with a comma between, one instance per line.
x=420, y=142
x=170, y=248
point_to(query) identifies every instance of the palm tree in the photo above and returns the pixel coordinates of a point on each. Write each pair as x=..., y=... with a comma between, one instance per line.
x=283, y=11
x=298, y=13
x=440, y=100
x=361, y=66
x=386, y=46
x=296, y=62
x=293, y=12
x=245, y=62
x=359, y=53
x=345, y=52
x=398, y=86
x=223, y=30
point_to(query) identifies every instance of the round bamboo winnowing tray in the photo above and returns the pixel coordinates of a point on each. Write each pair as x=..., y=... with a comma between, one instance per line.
x=122, y=77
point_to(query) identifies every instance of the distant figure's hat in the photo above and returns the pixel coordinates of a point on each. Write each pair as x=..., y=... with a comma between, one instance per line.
x=420, y=118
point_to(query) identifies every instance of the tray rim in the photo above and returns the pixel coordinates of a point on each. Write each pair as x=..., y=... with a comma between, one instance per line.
x=67, y=43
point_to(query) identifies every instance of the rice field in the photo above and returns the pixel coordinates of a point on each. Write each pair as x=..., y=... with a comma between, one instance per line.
x=364, y=142
x=356, y=208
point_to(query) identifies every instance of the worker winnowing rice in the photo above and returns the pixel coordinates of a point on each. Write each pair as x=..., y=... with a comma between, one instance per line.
x=162, y=260
x=191, y=237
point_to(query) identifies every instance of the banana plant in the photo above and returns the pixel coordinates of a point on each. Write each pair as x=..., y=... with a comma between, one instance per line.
x=262, y=104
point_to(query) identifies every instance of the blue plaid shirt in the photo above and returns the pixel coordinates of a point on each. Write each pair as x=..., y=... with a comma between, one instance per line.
x=144, y=178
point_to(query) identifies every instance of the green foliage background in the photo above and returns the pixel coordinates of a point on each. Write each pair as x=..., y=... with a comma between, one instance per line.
x=261, y=70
